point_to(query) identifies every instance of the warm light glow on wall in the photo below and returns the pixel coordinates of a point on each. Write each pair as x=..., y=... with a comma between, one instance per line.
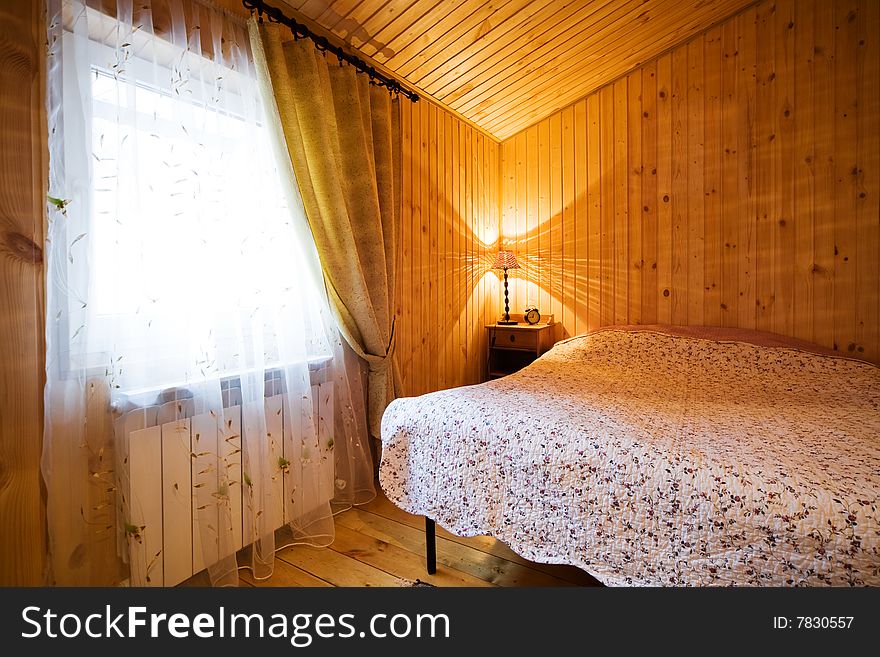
x=486, y=230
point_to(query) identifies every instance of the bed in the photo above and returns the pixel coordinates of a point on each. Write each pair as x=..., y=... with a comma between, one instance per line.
x=657, y=456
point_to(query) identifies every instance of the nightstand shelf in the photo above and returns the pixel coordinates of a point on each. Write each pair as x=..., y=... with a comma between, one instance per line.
x=513, y=346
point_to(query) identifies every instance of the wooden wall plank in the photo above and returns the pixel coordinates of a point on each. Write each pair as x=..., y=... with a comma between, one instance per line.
x=432, y=316
x=664, y=189
x=712, y=218
x=581, y=210
x=530, y=244
x=520, y=226
x=594, y=215
x=634, y=172
x=747, y=151
x=403, y=347
x=450, y=139
x=465, y=173
x=804, y=163
x=459, y=288
x=556, y=218
x=22, y=359
x=867, y=190
x=650, y=201
x=568, y=226
x=606, y=181
x=785, y=221
x=846, y=112
x=680, y=207
x=425, y=358
x=730, y=201
x=695, y=249
x=765, y=166
x=619, y=201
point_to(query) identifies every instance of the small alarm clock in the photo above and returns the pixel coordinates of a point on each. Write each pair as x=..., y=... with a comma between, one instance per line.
x=531, y=315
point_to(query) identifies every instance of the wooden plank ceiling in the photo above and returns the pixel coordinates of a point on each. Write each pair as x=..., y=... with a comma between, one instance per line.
x=505, y=64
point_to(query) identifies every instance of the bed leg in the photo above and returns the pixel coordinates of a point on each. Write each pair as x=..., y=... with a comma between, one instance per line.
x=430, y=546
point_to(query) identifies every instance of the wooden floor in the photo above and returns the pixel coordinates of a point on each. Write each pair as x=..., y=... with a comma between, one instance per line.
x=379, y=545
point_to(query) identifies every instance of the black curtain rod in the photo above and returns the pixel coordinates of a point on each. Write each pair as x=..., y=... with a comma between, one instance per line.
x=300, y=31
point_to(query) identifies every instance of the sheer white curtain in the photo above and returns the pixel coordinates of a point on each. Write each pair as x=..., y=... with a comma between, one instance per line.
x=183, y=287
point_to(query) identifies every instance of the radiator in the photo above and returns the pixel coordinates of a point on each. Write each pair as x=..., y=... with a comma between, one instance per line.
x=172, y=451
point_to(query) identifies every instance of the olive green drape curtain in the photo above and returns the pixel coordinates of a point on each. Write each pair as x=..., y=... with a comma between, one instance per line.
x=343, y=139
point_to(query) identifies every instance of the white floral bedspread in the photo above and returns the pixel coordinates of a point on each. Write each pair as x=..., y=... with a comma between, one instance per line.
x=650, y=459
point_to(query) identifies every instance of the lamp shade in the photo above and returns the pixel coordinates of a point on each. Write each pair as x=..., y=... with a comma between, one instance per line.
x=505, y=260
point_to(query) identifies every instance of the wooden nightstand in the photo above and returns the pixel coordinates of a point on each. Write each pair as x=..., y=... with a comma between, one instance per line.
x=512, y=347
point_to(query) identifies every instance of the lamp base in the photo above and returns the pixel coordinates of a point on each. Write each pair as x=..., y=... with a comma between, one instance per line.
x=506, y=322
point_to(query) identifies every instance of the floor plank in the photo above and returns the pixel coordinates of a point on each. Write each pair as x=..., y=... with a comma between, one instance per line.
x=284, y=574
x=382, y=506
x=450, y=554
x=336, y=568
x=201, y=579
x=396, y=560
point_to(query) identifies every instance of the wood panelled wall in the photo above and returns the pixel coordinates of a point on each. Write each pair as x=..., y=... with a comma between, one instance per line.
x=22, y=362
x=446, y=292
x=730, y=182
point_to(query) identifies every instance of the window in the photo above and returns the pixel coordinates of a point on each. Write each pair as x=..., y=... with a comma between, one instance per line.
x=189, y=264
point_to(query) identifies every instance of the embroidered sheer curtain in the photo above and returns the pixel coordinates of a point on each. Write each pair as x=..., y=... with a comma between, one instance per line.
x=183, y=291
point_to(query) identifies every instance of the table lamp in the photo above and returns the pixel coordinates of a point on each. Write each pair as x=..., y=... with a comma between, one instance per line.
x=505, y=260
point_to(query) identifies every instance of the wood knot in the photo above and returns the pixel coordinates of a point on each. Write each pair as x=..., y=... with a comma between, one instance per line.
x=77, y=557
x=5, y=475
x=21, y=248
x=666, y=292
x=17, y=59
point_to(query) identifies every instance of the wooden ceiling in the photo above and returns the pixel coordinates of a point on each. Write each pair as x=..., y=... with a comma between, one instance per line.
x=505, y=64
